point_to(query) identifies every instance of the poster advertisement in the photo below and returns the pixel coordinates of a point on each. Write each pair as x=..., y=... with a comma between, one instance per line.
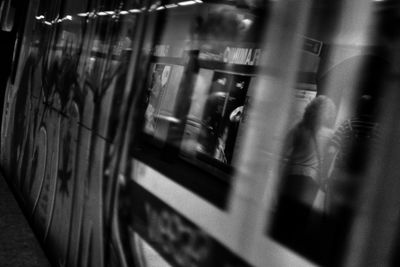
x=158, y=84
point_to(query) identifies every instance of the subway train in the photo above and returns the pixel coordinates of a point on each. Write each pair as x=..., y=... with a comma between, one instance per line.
x=201, y=133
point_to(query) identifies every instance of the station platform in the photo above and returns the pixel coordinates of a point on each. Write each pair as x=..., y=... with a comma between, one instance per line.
x=18, y=244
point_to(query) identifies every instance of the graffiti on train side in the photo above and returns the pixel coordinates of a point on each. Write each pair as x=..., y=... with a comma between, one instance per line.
x=159, y=235
x=59, y=124
x=65, y=172
x=186, y=245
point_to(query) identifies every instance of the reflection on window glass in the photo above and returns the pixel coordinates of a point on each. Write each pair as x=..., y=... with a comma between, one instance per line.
x=222, y=108
x=304, y=149
x=328, y=152
x=215, y=110
x=158, y=85
x=204, y=59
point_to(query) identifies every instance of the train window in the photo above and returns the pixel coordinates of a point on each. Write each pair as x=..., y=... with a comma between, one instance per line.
x=329, y=148
x=213, y=121
x=204, y=57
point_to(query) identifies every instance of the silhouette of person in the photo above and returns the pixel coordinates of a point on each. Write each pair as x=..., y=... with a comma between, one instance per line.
x=304, y=151
x=351, y=146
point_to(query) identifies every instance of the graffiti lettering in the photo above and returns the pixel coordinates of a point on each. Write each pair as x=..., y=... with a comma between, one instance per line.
x=188, y=246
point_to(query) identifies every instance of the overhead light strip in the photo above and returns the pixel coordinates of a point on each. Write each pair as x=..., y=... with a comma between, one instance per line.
x=187, y=3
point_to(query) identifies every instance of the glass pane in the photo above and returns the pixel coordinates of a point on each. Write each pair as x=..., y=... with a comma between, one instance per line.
x=204, y=58
x=333, y=134
x=214, y=119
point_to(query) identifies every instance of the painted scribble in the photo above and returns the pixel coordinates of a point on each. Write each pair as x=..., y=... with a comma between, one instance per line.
x=61, y=117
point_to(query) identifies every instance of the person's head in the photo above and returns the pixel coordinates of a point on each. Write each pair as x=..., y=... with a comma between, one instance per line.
x=321, y=111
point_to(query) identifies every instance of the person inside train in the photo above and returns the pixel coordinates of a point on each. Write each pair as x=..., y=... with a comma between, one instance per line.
x=351, y=147
x=304, y=150
x=356, y=138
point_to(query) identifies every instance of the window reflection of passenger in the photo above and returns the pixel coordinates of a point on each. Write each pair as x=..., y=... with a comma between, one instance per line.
x=219, y=126
x=352, y=145
x=306, y=146
x=222, y=113
x=212, y=120
x=304, y=149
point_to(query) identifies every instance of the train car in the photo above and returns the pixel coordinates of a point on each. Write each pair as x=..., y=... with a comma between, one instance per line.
x=207, y=133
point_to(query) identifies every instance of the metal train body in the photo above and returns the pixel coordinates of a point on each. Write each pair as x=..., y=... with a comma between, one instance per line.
x=148, y=133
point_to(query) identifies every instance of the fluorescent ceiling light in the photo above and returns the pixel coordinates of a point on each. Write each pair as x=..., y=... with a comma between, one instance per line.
x=134, y=11
x=186, y=3
x=123, y=12
x=171, y=5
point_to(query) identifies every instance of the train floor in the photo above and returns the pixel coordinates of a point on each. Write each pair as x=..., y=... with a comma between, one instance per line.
x=18, y=244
